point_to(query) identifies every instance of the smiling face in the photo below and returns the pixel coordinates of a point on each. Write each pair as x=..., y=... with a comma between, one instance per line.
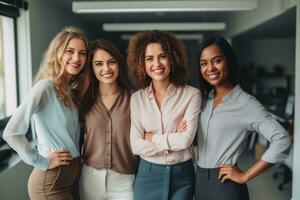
x=74, y=57
x=157, y=62
x=214, y=66
x=105, y=67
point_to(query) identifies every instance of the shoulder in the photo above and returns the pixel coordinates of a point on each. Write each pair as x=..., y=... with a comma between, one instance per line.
x=43, y=85
x=140, y=93
x=249, y=102
x=191, y=90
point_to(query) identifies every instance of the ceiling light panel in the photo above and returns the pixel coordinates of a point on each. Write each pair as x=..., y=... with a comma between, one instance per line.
x=161, y=6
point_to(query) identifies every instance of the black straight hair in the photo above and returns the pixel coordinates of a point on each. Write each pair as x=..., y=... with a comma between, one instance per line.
x=232, y=63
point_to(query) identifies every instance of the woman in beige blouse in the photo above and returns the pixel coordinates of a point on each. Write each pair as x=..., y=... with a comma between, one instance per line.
x=109, y=164
x=158, y=68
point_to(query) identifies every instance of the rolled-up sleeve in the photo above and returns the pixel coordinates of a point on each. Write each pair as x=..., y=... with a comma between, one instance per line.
x=265, y=124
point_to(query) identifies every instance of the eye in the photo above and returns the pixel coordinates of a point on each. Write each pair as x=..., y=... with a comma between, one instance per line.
x=98, y=64
x=217, y=61
x=149, y=59
x=203, y=64
x=112, y=62
x=164, y=56
x=82, y=53
x=69, y=51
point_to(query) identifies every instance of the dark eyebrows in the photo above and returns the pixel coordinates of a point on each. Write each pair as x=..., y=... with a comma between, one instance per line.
x=218, y=56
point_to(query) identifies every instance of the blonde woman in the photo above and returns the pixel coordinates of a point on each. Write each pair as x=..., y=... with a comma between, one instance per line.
x=51, y=104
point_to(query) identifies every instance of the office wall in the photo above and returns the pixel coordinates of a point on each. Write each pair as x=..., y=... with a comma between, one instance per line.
x=267, y=53
x=239, y=22
x=47, y=18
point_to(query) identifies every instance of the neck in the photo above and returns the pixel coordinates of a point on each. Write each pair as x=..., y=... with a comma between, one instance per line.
x=109, y=89
x=160, y=87
x=224, y=89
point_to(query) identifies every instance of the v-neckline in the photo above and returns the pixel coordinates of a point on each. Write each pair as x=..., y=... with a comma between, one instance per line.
x=109, y=111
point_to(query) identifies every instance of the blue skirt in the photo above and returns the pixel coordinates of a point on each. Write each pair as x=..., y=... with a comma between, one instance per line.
x=163, y=182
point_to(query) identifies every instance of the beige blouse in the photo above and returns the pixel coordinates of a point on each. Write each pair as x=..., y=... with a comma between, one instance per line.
x=167, y=146
x=107, y=143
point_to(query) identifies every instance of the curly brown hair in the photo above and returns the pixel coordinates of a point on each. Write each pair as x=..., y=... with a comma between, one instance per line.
x=174, y=48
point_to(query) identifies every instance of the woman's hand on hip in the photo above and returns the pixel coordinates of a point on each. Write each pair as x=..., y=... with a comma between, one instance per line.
x=59, y=157
x=231, y=172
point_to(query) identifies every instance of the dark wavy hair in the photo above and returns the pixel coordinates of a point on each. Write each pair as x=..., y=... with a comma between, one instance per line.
x=91, y=94
x=174, y=48
x=232, y=63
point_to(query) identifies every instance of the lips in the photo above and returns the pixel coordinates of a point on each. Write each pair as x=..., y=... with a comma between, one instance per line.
x=107, y=75
x=74, y=65
x=158, y=70
x=213, y=76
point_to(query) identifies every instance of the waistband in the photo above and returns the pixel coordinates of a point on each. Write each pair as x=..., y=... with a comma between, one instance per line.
x=75, y=160
x=209, y=172
x=182, y=164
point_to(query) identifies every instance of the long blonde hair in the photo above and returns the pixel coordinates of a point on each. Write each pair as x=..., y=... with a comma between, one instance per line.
x=52, y=68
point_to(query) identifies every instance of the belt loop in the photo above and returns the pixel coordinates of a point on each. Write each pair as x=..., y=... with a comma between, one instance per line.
x=150, y=166
x=208, y=174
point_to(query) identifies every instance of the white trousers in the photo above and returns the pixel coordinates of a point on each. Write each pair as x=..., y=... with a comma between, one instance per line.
x=105, y=184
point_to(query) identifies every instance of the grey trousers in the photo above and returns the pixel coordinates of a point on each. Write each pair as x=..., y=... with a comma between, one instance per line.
x=164, y=182
x=209, y=187
x=55, y=184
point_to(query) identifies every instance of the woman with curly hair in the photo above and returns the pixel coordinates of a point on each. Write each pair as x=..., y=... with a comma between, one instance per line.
x=164, y=116
x=109, y=164
x=52, y=105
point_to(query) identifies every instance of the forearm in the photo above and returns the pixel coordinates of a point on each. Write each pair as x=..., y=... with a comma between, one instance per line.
x=256, y=169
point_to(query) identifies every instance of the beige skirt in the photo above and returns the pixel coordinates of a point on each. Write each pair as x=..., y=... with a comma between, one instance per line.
x=60, y=183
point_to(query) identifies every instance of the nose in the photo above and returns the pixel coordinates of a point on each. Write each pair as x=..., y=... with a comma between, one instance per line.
x=156, y=62
x=210, y=66
x=105, y=67
x=76, y=57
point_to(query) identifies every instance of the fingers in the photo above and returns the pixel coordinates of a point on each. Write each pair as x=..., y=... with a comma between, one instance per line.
x=60, y=157
x=182, y=126
x=224, y=178
x=225, y=172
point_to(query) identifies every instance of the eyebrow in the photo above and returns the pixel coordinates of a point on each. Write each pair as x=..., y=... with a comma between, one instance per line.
x=107, y=60
x=212, y=58
x=74, y=49
x=158, y=54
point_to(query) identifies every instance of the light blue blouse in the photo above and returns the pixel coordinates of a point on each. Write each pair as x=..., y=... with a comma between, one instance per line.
x=57, y=126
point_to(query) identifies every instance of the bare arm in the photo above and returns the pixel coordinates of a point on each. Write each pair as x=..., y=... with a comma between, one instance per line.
x=230, y=172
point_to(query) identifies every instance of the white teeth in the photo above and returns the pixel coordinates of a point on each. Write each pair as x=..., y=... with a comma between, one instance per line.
x=158, y=71
x=107, y=75
x=213, y=76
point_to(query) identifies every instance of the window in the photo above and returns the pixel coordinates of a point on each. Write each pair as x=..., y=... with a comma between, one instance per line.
x=13, y=51
x=8, y=81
